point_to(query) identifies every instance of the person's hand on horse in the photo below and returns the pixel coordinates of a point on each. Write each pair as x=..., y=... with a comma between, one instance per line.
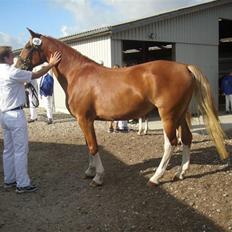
x=55, y=58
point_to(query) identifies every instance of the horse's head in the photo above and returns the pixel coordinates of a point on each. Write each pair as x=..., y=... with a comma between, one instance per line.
x=33, y=52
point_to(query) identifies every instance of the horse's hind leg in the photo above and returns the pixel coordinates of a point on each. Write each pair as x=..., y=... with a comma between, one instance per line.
x=186, y=138
x=170, y=142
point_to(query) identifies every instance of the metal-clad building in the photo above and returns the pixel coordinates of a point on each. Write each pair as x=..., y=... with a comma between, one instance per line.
x=200, y=35
x=190, y=35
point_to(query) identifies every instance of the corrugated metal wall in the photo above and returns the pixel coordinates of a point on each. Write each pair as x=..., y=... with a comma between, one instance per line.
x=200, y=27
x=97, y=49
x=116, y=51
x=206, y=58
x=201, y=48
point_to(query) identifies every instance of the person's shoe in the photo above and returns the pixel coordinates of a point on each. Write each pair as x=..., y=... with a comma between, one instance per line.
x=32, y=120
x=50, y=121
x=27, y=189
x=9, y=185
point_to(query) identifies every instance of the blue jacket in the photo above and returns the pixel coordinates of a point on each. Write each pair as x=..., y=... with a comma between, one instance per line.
x=227, y=85
x=46, y=85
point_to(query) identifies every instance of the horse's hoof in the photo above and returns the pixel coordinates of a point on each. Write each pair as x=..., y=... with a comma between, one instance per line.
x=225, y=166
x=94, y=184
x=177, y=177
x=88, y=177
x=90, y=173
x=151, y=184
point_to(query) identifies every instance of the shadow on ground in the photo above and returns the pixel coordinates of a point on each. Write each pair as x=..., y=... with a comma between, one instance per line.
x=65, y=202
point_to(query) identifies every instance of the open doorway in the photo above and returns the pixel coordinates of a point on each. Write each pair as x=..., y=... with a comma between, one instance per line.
x=225, y=55
x=137, y=52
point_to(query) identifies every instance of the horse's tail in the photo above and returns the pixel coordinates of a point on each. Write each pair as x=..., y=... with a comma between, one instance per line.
x=207, y=107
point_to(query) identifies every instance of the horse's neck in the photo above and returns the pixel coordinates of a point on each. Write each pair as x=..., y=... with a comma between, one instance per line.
x=70, y=57
x=70, y=60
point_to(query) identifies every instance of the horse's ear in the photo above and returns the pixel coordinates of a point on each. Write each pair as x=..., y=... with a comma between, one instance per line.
x=33, y=34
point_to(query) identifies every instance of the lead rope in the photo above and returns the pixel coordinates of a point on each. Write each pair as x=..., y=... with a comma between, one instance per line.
x=34, y=95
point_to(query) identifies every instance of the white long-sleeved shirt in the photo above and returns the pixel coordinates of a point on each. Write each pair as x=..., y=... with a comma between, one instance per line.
x=12, y=91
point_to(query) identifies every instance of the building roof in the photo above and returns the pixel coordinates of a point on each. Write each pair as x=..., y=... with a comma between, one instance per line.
x=144, y=21
x=92, y=33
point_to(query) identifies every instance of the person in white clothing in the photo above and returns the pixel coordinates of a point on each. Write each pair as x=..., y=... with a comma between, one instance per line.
x=123, y=126
x=13, y=120
x=33, y=97
x=48, y=103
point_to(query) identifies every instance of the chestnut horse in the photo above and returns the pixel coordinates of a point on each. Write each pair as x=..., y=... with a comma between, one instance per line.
x=94, y=92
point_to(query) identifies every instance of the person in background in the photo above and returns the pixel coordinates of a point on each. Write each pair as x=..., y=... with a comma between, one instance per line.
x=13, y=119
x=123, y=126
x=226, y=87
x=113, y=127
x=32, y=106
x=46, y=93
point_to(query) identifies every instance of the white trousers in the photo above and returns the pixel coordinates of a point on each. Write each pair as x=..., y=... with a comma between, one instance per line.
x=48, y=104
x=122, y=125
x=228, y=102
x=33, y=111
x=15, y=152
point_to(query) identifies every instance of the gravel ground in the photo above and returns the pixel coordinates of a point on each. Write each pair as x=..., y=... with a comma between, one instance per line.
x=65, y=202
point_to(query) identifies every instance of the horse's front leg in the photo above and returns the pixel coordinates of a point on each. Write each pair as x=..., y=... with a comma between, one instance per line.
x=91, y=170
x=95, y=169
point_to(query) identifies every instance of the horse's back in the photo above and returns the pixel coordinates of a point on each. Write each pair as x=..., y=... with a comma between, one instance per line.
x=163, y=78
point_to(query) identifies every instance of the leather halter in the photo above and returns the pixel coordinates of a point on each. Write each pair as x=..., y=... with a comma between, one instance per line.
x=26, y=64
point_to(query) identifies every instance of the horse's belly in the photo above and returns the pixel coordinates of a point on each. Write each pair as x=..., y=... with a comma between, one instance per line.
x=124, y=112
